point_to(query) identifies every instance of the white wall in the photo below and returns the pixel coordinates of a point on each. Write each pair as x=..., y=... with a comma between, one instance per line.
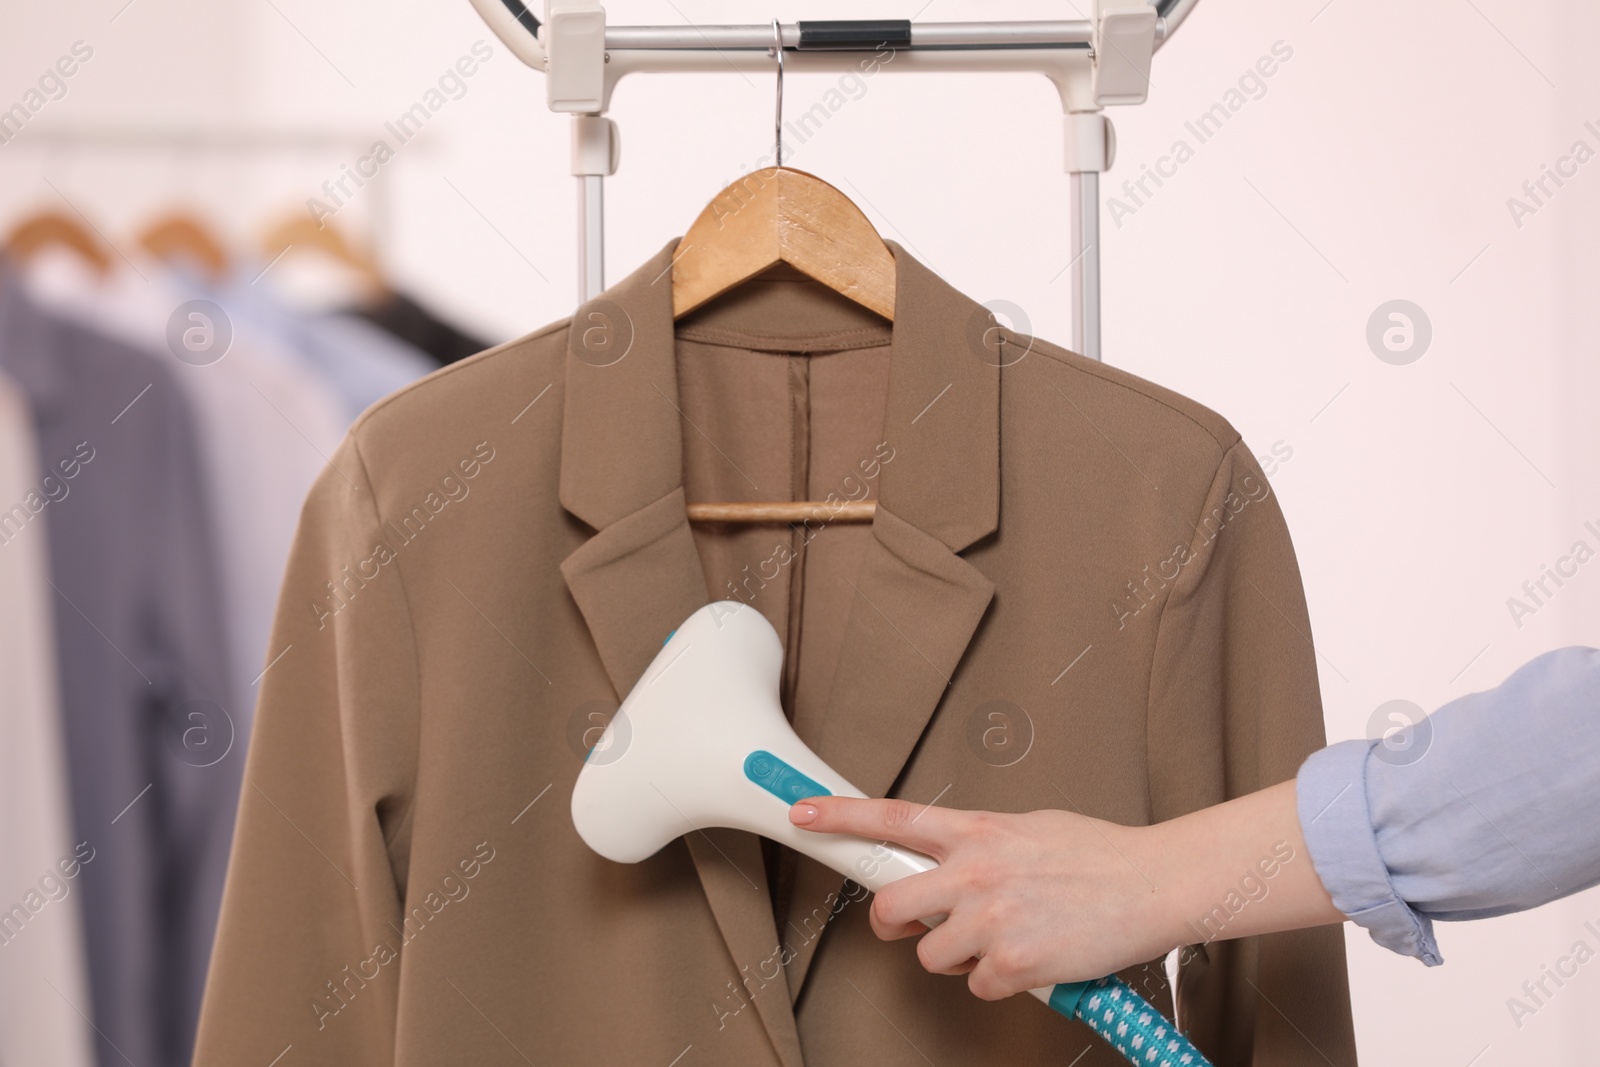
x=1376, y=166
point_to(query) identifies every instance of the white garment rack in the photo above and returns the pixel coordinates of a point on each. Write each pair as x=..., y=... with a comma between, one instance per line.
x=239, y=143
x=1092, y=62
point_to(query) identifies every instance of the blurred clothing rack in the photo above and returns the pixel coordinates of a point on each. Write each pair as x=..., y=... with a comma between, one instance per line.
x=347, y=144
x=180, y=137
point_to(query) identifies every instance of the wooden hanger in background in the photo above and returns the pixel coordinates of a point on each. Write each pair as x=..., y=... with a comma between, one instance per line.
x=300, y=230
x=47, y=229
x=181, y=237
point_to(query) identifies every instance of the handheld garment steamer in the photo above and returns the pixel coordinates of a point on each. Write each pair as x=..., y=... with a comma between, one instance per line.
x=702, y=741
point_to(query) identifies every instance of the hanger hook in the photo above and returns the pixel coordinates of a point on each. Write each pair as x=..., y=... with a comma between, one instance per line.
x=777, y=119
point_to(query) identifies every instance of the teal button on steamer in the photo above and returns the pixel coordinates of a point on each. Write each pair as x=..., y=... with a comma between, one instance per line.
x=780, y=779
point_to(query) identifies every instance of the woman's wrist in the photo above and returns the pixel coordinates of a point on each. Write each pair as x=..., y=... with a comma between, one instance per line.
x=1180, y=879
x=1234, y=870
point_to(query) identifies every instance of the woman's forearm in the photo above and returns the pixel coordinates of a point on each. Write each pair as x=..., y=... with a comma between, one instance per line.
x=1233, y=870
x=1055, y=896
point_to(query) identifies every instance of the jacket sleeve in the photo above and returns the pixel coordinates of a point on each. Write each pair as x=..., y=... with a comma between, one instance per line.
x=304, y=955
x=1234, y=707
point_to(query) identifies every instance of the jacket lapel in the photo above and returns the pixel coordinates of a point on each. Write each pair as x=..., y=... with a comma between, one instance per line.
x=639, y=575
x=917, y=604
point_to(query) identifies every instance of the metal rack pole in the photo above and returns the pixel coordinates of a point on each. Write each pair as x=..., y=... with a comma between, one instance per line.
x=591, y=236
x=1084, y=198
x=923, y=36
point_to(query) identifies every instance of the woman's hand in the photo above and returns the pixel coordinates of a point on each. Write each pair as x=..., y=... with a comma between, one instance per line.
x=1034, y=899
x=1054, y=896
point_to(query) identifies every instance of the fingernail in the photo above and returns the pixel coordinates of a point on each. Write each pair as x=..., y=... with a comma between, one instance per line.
x=801, y=814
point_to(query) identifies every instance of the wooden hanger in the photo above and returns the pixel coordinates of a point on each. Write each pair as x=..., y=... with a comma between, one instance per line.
x=52, y=229
x=179, y=236
x=781, y=215
x=300, y=230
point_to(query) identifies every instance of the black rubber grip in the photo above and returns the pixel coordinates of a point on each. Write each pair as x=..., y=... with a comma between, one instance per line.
x=520, y=12
x=854, y=35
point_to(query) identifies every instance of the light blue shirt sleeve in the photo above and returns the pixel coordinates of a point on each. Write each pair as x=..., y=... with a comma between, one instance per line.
x=360, y=362
x=1488, y=806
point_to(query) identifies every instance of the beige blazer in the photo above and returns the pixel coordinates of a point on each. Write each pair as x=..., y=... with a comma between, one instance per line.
x=1078, y=592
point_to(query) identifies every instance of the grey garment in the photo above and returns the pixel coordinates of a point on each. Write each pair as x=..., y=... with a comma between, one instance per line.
x=1490, y=805
x=139, y=635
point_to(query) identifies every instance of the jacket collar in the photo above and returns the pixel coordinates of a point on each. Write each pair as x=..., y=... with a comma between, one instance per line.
x=622, y=434
x=917, y=603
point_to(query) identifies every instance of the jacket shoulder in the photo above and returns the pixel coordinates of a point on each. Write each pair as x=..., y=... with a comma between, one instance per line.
x=1119, y=396
x=478, y=395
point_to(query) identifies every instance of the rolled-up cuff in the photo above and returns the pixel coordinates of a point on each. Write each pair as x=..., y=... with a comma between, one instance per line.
x=1331, y=795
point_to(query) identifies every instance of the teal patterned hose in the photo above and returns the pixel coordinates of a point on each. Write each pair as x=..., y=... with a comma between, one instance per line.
x=1127, y=1021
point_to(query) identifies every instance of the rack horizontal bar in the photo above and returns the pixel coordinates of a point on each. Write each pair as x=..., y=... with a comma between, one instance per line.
x=1074, y=33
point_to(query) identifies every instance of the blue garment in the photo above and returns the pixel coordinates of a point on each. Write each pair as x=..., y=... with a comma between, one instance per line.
x=1490, y=805
x=362, y=362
